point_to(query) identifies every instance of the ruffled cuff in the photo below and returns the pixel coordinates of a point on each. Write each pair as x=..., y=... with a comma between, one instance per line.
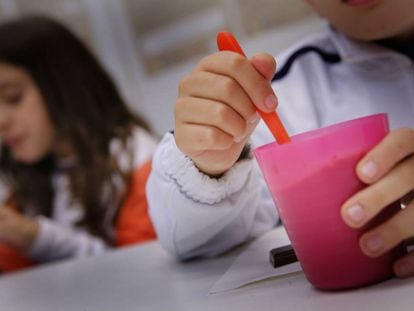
x=196, y=185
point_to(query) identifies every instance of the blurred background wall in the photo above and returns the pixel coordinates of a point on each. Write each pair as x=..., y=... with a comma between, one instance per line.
x=149, y=45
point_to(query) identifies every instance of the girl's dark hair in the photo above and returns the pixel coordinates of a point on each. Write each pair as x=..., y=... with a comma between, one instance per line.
x=86, y=110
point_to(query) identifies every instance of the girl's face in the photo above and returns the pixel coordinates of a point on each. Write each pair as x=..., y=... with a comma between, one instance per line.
x=25, y=126
x=369, y=19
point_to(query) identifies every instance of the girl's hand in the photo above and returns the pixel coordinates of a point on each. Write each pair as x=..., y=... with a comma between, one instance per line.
x=388, y=169
x=16, y=230
x=215, y=112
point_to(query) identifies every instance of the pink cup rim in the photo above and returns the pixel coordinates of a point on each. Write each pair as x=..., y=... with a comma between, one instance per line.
x=323, y=131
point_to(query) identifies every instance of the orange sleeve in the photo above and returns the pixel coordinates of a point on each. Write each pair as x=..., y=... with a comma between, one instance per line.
x=12, y=260
x=133, y=224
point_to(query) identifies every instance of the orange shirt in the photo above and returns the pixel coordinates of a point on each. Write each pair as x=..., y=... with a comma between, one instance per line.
x=133, y=224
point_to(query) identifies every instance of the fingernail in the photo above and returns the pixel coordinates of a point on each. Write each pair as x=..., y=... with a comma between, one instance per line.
x=254, y=119
x=355, y=213
x=404, y=269
x=369, y=169
x=239, y=138
x=249, y=129
x=271, y=102
x=374, y=243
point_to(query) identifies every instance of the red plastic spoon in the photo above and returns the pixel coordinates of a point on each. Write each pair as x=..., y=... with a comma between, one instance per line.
x=227, y=42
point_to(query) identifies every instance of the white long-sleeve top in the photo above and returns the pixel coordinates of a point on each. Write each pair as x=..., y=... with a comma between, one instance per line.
x=195, y=215
x=58, y=236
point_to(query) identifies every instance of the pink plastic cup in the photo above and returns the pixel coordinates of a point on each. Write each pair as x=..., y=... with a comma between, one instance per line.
x=309, y=179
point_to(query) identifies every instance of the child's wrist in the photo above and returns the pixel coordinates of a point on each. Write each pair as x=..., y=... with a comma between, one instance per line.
x=212, y=173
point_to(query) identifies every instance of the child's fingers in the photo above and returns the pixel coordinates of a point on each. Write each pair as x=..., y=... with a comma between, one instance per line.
x=265, y=64
x=211, y=113
x=193, y=139
x=367, y=203
x=221, y=88
x=392, y=149
x=404, y=266
x=377, y=241
x=241, y=70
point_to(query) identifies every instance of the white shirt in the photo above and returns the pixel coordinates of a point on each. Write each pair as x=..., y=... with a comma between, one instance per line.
x=196, y=215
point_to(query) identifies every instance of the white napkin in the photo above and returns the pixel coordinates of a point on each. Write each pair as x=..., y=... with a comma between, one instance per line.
x=253, y=264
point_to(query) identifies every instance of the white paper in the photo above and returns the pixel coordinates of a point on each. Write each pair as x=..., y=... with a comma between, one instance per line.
x=253, y=263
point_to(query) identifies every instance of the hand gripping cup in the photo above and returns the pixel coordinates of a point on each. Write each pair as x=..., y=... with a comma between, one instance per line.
x=309, y=179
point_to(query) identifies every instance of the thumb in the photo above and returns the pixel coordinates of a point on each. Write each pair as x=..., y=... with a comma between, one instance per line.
x=265, y=64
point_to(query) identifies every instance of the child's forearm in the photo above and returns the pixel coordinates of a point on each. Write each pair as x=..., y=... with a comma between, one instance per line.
x=195, y=215
x=55, y=241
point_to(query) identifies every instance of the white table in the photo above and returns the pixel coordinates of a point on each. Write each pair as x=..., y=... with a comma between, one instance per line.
x=146, y=278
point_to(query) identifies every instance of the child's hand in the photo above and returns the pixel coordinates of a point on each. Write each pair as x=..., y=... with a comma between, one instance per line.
x=215, y=112
x=16, y=230
x=389, y=171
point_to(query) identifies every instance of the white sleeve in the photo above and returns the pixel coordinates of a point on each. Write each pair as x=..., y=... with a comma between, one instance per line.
x=195, y=215
x=55, y=241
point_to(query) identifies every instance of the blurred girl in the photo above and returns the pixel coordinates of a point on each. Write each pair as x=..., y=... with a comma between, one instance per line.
x=74, y=160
